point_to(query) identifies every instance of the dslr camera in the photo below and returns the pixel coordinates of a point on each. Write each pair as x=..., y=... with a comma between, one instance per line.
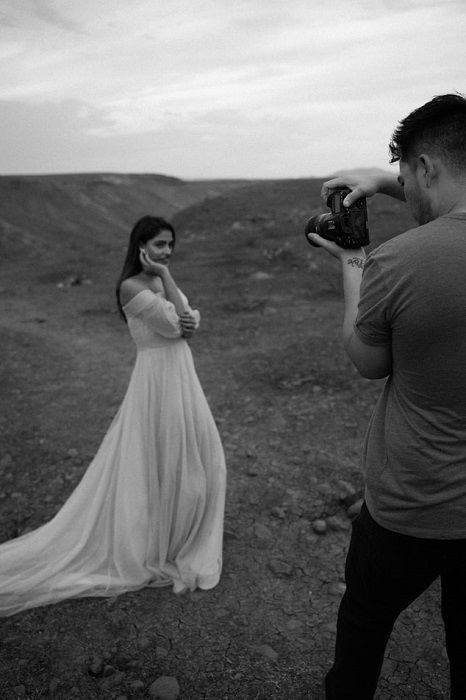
x=346, y=226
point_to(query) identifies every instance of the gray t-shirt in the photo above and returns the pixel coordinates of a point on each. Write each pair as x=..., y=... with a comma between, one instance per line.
x=413, y=298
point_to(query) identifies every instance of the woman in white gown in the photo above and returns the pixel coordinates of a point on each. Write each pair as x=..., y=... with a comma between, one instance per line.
x=149, y=509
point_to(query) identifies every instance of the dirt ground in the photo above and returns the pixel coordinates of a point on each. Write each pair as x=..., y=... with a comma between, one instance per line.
x=292, y=413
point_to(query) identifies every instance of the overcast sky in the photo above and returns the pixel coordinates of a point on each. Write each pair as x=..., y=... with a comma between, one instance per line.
x=218, y=88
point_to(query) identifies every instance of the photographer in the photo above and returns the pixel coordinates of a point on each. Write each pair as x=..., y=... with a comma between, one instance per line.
x=405, y=319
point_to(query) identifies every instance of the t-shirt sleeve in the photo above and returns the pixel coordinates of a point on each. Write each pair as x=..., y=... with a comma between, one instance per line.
x=372, y=324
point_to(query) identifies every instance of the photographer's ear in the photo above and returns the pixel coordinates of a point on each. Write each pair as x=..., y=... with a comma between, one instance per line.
x=428, y=168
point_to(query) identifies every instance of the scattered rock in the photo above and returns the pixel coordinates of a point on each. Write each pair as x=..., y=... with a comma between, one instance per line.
x=73, y=281
x=347, y=492
x=337, y=588
x=6, y=460
x=267, y=651
x=73, y=452
x=278, y=512
x=53, y=686
x=143, y=643
x=230, y=535
x=330, y=627
x=319, y=526
x=96, y=667
x=334, y=522
x=294, y=624
x=117, y=678
x=260, y=276
x=355, y=508
x=20, y=691
x=136, y=685
x=108, y=670
x=161, y=652
x=165, y=688
x=324, y=489
x=262, y=532
x=236, y=226
x=280, y=568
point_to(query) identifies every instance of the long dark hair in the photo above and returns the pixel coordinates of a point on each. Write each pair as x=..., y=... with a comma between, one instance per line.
x=143, y=230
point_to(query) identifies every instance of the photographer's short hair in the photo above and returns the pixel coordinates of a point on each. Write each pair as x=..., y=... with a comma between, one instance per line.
x=439, y=126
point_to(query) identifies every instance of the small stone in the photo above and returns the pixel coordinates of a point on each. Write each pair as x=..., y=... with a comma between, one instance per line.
x=338, y=524
x=330, y=627
x=346, y=487
x=294, y=624
x=161, y=652
x=96, y=667
x=354, y=509
x=118, y=677
x=143, y=643
x=261, y=276
x=53, y=686
x=73, y=452
x=278, y=512
x=165, y=688
x=262, y=532
x=6, y=460
x=337, y=588
x=230, y=535
x=108, y=670
x=20, y=690
x=319, y=526
x=136, y=685
x=267, y=651
x=324, y=489
x=280, y=568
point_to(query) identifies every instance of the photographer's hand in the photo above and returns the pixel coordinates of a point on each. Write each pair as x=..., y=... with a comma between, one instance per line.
x=364, y=184
x=336, y=250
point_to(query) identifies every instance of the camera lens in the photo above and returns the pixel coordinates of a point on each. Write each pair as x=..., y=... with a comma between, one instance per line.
x=313, y=226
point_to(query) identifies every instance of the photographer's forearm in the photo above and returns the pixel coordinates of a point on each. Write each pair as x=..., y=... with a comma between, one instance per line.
x=352, y=267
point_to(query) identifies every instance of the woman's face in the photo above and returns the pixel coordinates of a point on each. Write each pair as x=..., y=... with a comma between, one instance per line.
x=160, y=247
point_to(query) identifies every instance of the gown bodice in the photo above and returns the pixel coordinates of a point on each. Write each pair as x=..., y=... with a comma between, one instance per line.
x=153, y=321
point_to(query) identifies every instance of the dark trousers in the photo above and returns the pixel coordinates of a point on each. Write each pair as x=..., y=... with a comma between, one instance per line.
x=385, y=572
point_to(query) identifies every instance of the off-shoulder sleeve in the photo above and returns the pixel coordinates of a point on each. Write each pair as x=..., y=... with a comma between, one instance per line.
x=156, y=312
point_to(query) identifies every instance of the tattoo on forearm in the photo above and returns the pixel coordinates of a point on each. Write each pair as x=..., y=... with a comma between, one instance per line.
x=356, y=262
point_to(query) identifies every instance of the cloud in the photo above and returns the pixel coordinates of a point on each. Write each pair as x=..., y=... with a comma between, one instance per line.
x=214, y=69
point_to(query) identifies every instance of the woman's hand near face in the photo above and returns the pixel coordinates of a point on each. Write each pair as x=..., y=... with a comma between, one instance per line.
x=151, y=267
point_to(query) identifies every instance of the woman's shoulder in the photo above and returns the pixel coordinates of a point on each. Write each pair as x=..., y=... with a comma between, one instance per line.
x=132, y=286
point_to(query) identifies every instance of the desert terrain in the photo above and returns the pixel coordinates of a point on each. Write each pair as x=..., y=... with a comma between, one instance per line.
x=290, y=408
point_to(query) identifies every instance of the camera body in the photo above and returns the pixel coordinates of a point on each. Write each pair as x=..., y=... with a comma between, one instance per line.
x=346, y=226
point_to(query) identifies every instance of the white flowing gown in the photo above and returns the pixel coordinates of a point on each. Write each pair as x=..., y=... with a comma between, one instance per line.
x=149, y=509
